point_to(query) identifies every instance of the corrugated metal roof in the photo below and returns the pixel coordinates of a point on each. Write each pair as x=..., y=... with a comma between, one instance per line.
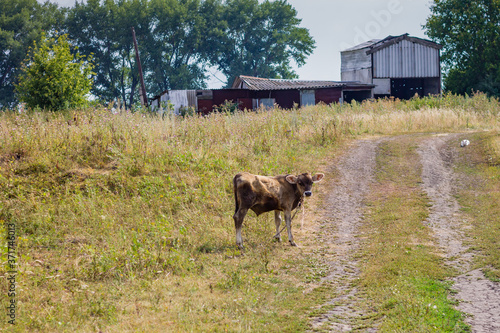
x=391, y=40
x=257, y=83
x=363, y=45
x=377, y=44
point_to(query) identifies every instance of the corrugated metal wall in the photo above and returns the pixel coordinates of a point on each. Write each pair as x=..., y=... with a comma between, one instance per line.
x=406, y=60
x=356, y=66
x=355, y=60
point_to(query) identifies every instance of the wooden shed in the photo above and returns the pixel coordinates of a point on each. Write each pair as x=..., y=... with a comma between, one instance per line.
x=254, y=92
x=399, y=66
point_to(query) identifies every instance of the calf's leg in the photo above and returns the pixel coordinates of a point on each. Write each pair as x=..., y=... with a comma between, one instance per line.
x=277, y=221
x=288, y=220
x=238, y=222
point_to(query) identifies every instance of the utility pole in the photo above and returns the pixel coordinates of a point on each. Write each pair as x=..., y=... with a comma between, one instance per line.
x=144, y=98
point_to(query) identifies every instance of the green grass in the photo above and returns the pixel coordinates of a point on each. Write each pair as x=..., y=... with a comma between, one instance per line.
x=124, y=221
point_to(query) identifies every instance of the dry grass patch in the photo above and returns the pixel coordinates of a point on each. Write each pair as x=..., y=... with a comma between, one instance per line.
x=107, y=207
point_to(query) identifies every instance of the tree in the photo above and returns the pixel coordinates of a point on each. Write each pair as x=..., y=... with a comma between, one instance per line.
x=469, y=31
x=179, y=39
x=183, y=39
x=53, y=78
x=94, y=28
x=21, y=23
x=172, y=37
x=262, y=40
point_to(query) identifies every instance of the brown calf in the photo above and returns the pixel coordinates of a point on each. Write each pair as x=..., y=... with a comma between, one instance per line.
x=264, y=194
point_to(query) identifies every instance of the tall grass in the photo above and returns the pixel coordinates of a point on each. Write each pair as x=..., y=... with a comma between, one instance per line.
x=125, y=220
x=107, y=204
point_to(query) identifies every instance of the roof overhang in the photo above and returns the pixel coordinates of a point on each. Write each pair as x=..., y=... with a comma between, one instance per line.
x=259, y=84
x=375, y=45
x=391, y=40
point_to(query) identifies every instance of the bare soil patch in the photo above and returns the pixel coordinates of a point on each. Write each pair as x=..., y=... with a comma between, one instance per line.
x=340, y=230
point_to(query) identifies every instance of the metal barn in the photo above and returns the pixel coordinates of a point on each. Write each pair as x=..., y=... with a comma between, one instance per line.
x=398, y=66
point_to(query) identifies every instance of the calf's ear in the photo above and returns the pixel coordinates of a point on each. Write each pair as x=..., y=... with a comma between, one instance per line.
x=318, y=177
x=291, y=179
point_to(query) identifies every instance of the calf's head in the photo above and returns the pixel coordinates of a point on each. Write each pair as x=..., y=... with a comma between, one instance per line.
x=304, y=182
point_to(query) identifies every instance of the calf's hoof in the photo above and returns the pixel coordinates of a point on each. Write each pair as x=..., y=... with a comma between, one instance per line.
x=277, y=239
x=292, y=243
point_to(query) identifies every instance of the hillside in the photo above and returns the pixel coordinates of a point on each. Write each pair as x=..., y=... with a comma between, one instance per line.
x=123, y=222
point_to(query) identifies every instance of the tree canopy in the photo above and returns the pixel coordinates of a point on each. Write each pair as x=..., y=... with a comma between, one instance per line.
x=262, y=40
x=469, y=31
x=179, y=40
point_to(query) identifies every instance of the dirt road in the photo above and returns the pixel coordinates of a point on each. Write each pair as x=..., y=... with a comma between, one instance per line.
x=477, y=296
x=345, y=211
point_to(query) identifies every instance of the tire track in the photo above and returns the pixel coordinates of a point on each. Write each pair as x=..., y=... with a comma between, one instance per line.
x=478, y=296
x=342, y=218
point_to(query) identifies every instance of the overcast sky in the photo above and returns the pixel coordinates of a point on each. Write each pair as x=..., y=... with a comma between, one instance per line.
x=336, y=25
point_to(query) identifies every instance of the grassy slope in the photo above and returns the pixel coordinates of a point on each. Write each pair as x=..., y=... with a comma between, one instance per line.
x=123, y=222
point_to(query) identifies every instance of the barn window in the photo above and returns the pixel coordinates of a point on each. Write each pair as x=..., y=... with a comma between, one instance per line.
x=307, y=97
x=266, y=103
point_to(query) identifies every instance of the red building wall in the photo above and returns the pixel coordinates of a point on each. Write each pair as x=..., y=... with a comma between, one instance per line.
x=205, y=106
x=245, y=103
x=287, y=98
x=284, y=98
x=328, y=95
x=223, y=95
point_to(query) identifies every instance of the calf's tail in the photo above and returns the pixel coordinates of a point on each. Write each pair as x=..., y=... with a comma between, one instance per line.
x=235, y=188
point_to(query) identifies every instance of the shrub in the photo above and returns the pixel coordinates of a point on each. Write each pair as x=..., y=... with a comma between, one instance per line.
x=53, y=78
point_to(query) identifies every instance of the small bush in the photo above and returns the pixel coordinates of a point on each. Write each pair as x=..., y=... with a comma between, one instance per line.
x=52, y=78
